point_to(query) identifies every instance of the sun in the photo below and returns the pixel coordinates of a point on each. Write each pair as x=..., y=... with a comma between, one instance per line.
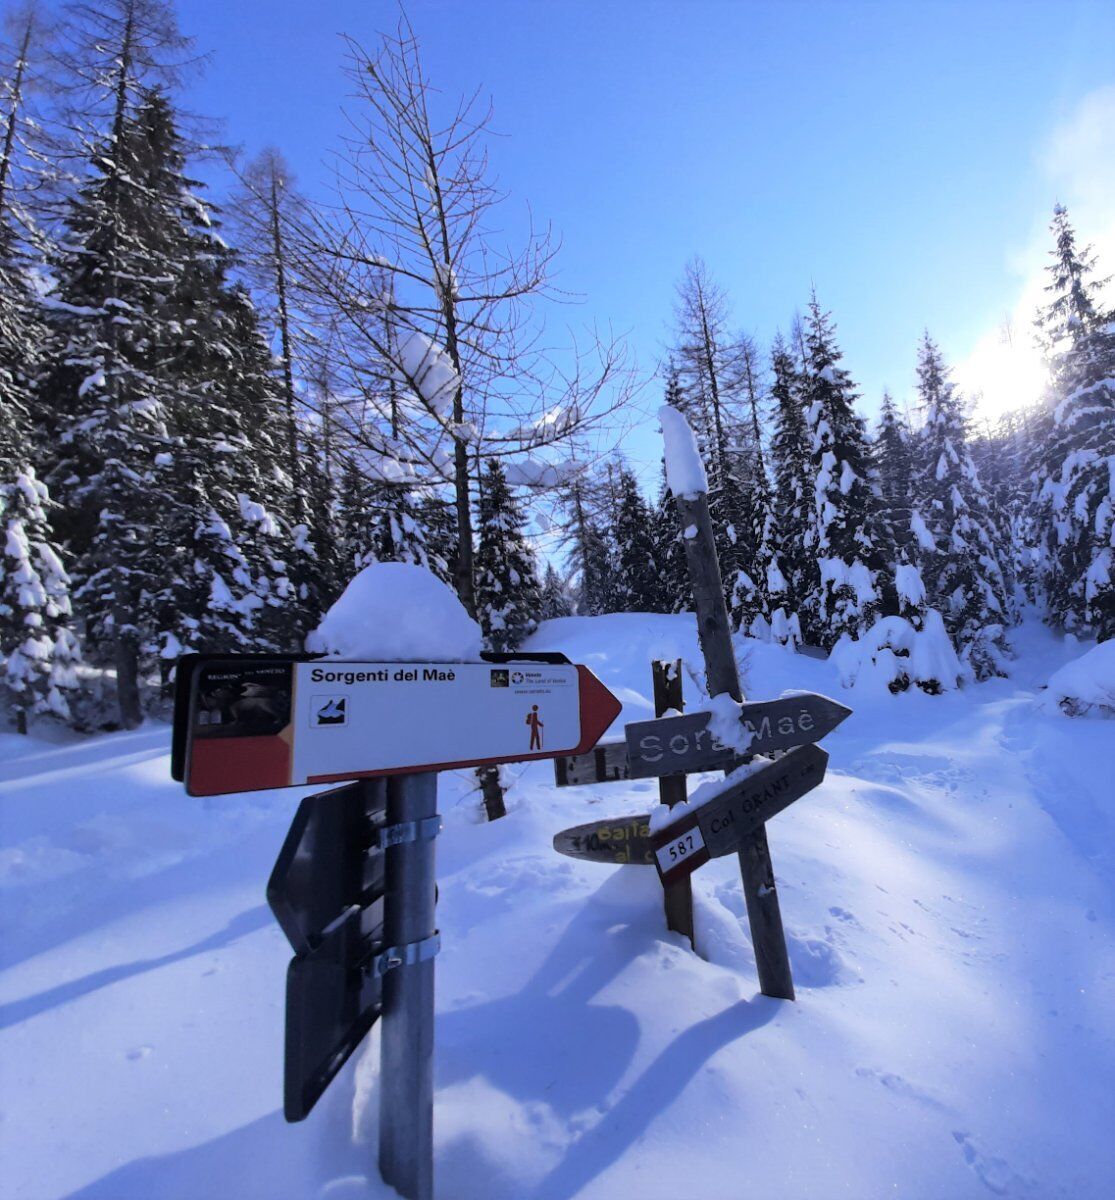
x=1004, y=372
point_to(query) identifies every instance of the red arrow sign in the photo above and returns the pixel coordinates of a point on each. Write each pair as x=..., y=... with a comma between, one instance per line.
x=254, y=724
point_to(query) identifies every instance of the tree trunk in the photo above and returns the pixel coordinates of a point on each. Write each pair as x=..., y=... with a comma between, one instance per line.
x=127, y=684
x=288, y=368
x=13, y=114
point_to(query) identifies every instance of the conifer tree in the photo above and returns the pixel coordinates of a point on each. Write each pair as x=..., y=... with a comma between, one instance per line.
x=396, y=529
x=638, y=584
x=38, y=649
x=894, y=464
x=354, y=520
x=555, y=601
x=673, y=570
x=436, y=516
x=590, y=558
x=1075, y=484
x=794, y=585
x=962, y=573
x=846, y=538
x=508, y=596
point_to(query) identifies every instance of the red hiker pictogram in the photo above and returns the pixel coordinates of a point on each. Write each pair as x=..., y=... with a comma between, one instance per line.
x=536, y=726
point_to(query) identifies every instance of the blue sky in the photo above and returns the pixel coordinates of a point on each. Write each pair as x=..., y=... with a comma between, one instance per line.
x=904, y=157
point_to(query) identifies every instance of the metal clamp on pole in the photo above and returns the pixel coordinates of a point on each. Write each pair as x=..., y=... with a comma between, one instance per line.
x=425, y=830
x=405, y=956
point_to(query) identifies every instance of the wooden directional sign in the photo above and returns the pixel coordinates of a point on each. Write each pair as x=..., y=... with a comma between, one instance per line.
x=678, y=745
x=325, y=865
x=621, y=841
x=604, y=763
x=251, y=724
x=720, y=825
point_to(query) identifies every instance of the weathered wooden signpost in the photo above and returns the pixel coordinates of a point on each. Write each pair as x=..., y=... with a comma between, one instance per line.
x=611, y=761
x=728, y=736
x=354, y=885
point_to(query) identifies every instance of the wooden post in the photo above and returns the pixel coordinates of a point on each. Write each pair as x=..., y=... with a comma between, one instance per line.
x=722, y=675
x=678, y=895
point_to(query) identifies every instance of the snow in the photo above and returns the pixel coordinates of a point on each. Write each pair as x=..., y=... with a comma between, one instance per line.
x=1086, y=685
x=948, y=895
x=921, y=531
x=429, y=370
x=535, y=472
x=892, y=654
x=725, y=725
x=397, y=611
x=685, y=473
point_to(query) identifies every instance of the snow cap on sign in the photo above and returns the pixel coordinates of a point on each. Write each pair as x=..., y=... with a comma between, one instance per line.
x=685, y=473
x=397, y=612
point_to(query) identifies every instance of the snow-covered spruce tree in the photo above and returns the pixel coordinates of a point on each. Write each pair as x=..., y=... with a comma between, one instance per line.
x=1075, y=477
x=960, y=564
x=38, y=650
x=846, y=540
x=397, y=534
x=677, y=592
x=639, y=585
x=508, y=595
x=794, y=583
x=555, y=599
x=107, y=404
x=1000, y=455
x=587, y=545
x=894, y=465
x=438, y=521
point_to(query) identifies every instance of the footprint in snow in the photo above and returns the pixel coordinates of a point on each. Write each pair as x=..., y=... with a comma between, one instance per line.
x=815, y=962
x=992, y=1172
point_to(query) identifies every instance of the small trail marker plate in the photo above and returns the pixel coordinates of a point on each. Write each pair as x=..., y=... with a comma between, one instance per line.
x=621, y=841
x=685, y=849
x=723, y=822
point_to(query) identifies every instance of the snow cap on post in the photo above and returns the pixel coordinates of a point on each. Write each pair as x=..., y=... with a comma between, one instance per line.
x=685, y=473
x=397, y=612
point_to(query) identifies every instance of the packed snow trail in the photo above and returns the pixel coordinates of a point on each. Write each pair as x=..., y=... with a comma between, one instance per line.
x=949, y=897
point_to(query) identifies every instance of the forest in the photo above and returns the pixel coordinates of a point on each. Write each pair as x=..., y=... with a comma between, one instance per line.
x=218, y=404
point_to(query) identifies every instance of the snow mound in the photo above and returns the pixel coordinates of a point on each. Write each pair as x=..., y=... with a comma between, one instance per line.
x=892, y=654
x=1086, y=686
x=397, y=611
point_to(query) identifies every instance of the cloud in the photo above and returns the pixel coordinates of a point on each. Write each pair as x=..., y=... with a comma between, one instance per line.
x=1077, y=163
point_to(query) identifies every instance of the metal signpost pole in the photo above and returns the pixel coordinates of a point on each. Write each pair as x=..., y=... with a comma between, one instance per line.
x=722, y=675
x=407, y=1033
x=671, y=791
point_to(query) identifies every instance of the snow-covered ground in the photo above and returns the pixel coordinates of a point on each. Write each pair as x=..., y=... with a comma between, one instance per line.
x=949, y=896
